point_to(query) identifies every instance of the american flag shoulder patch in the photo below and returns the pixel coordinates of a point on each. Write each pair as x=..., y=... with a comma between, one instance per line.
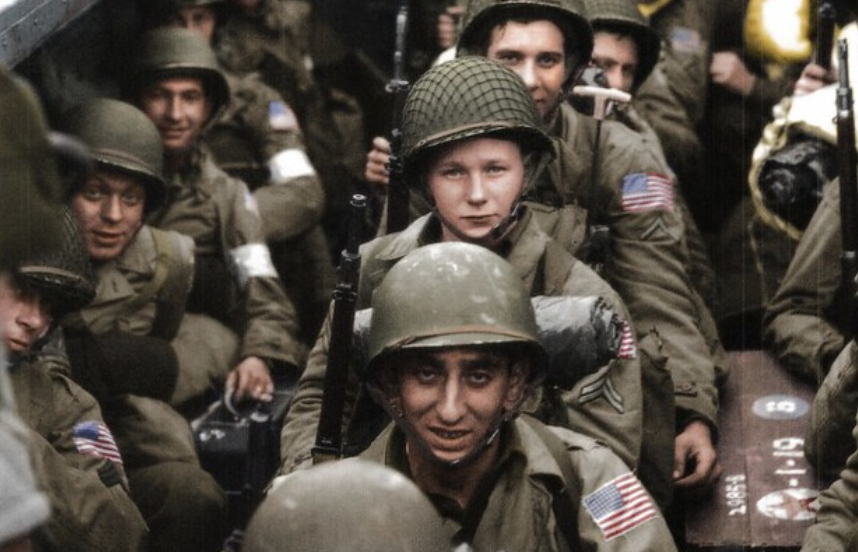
x=91, y=437
x=281, y=117
x=645, y=191
x=619, y=506
x=628, y=347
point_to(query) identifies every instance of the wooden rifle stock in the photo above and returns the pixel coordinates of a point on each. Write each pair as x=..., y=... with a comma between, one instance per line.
x=329, y=433
x=397, y=191
x=846, y=159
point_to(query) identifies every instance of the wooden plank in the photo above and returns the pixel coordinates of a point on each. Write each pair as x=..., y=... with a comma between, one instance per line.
x=765, y=499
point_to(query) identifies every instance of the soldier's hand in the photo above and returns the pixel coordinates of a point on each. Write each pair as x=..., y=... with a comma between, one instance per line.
x=813, y=77
x=376, y=171
x=251, y=379
x=695, y=461
x=730, y=71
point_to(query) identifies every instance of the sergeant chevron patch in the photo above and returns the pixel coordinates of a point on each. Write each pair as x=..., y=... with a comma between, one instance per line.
x=658, y=225
x=602, y=388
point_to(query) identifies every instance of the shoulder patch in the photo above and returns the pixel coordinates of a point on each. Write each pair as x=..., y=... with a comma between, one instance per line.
x=250, y=203
x=281, y=117
x=619, y=506
x=93, y=438
x=628, y=347
x=684, y=39
x=645, y=191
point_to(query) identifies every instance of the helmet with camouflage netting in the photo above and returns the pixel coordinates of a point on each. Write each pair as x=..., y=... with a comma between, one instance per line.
x=623, y=16
x=121, y=137
x=299, y=513
x=62, y=274
x=172, y=52
x=469, y=98
x=569, y=15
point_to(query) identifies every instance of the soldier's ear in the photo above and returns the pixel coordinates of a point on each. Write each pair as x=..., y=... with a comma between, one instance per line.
x=518, y=376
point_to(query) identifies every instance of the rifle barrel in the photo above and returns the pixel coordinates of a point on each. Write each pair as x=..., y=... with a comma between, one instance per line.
x=846, y=160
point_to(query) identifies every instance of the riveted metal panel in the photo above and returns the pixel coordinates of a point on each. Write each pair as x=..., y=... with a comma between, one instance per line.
x=26, y=24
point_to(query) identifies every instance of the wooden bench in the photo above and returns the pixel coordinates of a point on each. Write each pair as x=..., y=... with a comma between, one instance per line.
x=766, y=496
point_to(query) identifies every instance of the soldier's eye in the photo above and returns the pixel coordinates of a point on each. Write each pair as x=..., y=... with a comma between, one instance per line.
x=92, y=194
x=132, y=198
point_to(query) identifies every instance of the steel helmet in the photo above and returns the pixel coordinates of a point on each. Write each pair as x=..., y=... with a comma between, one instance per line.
x=569, y=15
x=353, y=505
x=467, y=98
x=121, y=137
x=29, y=184
x=169, y=52
x=62, y=273
x=468, y=295
x=623, y=16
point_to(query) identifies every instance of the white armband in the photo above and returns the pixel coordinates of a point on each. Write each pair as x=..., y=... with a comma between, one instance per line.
x=289, y=164
x=252, y=261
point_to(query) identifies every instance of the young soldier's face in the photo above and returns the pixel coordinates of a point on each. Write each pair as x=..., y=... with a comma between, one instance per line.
x=535, y=51
x=179, y=108
x=475, y=184
x=109, y=211
x=617, y=57
x=23, y=315
x=201, y=19
x=454, y=397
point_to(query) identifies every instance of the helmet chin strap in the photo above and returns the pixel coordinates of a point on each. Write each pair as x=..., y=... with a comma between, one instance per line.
x=497, y=233
x=424, y=449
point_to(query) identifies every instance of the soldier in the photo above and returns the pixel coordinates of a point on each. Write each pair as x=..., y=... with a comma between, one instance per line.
x=835, y=527
x=472, y=148
x=28, y=172
x=177, y=84
x=646, y=240
x=121, y=345
x=454, y=385
x=258, y=139
x=804, y=325
x=76, y=459
x=627, y=50
x=367, y=507
x=273, y=37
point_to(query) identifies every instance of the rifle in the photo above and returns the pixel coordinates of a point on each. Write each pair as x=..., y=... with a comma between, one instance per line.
x=397, y=191
x=846, y=161
x=329, y=434
x=599, y=234
x=826, y=16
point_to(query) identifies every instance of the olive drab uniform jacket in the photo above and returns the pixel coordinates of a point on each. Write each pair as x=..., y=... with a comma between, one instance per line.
x=76, y=462
x=805, y=324
x=836, y=525
x=258, y=139
x=220, y=214
x=829, y=442
x=274, y=41
x=144, y=290
x=699, y=266
x=648, y=255
x=519, y=512
x=605, y=405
